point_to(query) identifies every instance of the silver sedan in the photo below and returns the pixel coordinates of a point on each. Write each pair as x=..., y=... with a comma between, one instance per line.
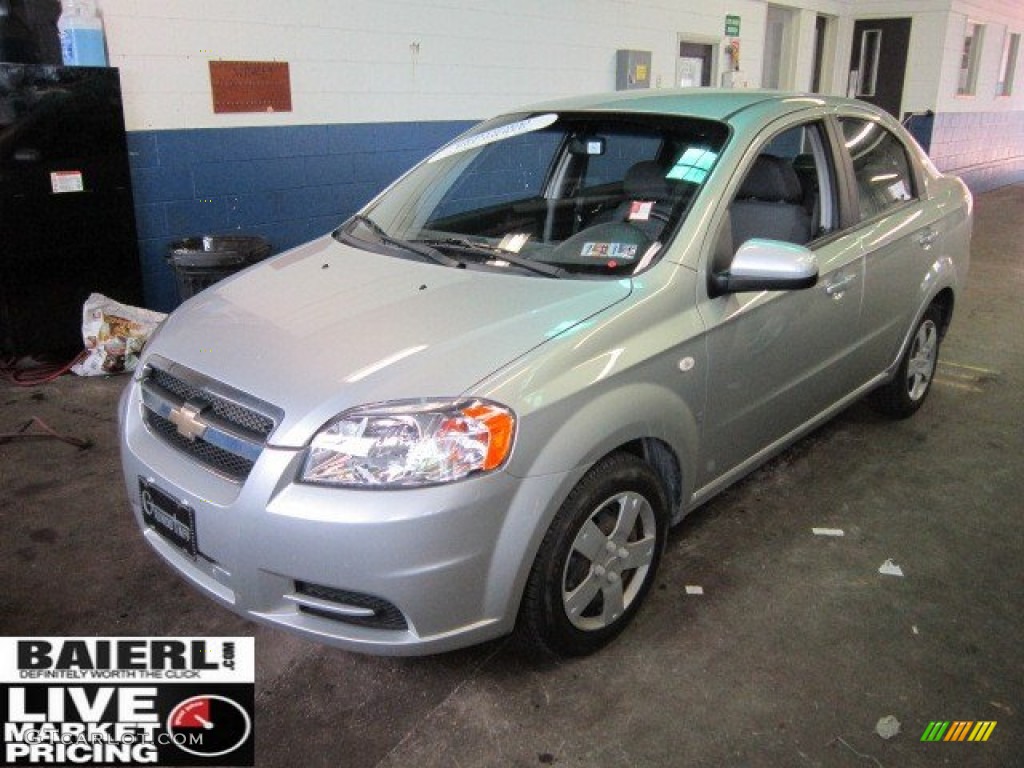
x=480, y=403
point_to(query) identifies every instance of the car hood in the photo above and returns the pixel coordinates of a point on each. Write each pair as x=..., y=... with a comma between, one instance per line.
x=327, y=327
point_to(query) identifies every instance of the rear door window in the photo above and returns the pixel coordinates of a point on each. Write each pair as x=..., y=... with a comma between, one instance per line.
x=880, y=165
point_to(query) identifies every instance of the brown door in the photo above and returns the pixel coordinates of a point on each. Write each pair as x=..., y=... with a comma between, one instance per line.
x=878, y=62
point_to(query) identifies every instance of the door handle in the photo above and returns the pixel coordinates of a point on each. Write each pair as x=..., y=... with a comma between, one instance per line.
x=927, y=238
x=836, y=288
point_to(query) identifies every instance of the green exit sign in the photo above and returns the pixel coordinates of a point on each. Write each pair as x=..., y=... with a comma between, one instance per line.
x=732, y=26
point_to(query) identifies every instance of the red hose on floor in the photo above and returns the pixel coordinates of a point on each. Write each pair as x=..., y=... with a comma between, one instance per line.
x=36, y=375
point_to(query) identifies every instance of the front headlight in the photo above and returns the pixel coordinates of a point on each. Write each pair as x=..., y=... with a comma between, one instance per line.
x=406, y=444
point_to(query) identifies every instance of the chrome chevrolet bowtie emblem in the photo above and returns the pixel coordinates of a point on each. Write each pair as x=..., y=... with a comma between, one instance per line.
x=186, y=419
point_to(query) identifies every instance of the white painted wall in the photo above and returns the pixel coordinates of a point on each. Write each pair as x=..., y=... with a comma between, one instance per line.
x=999, y=17
x=388, y=60
x=392, y=60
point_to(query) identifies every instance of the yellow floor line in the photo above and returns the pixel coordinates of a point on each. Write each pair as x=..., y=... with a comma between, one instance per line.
x=970, y=367
x=963, y=375
x=947, y=383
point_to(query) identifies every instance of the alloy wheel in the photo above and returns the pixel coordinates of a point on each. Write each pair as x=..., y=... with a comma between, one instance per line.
x=923, y=357
x=609, y=562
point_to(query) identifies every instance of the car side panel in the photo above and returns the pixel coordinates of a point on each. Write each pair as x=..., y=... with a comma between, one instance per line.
x=778, y=359
x=638, y=370
x=900, y=251
x=911, y=252
x=950, y=259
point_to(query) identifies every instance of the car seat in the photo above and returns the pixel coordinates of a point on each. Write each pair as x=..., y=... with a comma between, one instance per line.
x=769, y=204
x=644, y=182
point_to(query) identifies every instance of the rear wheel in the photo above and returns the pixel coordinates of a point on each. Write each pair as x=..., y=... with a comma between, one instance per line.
x=902, y=396
x=597, y=560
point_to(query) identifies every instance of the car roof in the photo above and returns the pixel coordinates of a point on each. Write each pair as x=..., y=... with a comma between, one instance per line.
x=711, y=103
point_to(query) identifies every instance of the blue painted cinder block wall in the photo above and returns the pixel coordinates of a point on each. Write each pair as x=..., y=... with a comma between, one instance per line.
x=293, y=183
x=286, y=183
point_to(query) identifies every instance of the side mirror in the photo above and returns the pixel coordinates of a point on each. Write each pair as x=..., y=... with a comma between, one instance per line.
x=767, y=265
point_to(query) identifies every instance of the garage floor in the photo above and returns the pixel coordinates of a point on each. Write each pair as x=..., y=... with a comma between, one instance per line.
x=794, y=651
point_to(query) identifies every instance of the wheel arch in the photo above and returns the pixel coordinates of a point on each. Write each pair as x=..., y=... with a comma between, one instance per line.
x=944, y=302
x=663, y=460
x=649, y=420
x=661, y=430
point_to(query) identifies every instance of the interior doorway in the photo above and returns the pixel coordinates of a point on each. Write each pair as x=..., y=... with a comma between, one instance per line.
x=878, y=62
x=777, y=61
x=820, y=74
x=694, y=65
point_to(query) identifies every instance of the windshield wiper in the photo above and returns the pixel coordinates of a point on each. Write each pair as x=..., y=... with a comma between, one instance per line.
x=475, y=246
x=419, y=248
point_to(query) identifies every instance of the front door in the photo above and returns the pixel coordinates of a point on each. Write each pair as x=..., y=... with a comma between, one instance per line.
x=878, y=62
x=777, y=360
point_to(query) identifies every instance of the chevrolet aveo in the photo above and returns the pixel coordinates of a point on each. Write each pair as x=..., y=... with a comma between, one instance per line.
x=482, y=401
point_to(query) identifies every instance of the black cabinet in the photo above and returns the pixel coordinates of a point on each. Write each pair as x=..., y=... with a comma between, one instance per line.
x=67, y=223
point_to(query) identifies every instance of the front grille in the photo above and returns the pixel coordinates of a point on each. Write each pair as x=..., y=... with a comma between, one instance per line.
x=225, y=462
x=385, y=615
x=230, y=428
x=230, y=411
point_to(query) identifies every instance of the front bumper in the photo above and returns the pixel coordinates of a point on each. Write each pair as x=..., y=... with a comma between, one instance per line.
x=397, y=572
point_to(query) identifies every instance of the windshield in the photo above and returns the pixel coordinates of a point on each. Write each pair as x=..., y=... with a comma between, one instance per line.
x=550, y=195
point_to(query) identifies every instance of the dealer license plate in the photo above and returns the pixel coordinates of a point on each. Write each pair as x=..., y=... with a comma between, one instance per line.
x=173, y=520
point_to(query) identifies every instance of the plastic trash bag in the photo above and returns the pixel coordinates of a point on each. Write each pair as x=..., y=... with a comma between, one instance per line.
x=114, y=335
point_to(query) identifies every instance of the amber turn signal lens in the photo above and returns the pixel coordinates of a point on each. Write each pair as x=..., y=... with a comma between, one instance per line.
x=500, y=425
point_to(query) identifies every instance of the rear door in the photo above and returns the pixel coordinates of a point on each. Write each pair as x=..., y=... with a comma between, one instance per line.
x=899, y=234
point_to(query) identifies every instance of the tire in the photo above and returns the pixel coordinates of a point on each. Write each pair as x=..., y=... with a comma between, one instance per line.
x=901, y=397
x=597, y=560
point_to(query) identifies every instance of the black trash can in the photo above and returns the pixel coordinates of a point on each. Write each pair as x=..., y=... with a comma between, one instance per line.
x=199, y=262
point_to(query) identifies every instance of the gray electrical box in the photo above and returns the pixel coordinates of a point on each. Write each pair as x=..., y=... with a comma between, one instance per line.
x=632, y=70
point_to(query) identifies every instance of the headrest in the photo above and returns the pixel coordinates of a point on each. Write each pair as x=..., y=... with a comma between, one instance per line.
x=646, y=181
x=771, y=179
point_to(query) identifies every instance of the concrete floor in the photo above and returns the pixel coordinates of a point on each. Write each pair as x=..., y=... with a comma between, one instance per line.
x=794, y=651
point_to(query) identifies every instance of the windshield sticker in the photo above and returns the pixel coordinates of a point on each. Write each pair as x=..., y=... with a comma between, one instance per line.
x=519, y=128
x=640, y=211
x=623, y=251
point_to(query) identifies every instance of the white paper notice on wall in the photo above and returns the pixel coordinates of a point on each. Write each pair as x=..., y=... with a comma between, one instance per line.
x=66, y=181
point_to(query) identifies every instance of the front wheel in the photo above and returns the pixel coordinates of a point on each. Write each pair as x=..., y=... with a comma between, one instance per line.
x=597, y=560
x=902, y=396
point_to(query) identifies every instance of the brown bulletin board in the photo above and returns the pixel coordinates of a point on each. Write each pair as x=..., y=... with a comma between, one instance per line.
x=251, y=86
